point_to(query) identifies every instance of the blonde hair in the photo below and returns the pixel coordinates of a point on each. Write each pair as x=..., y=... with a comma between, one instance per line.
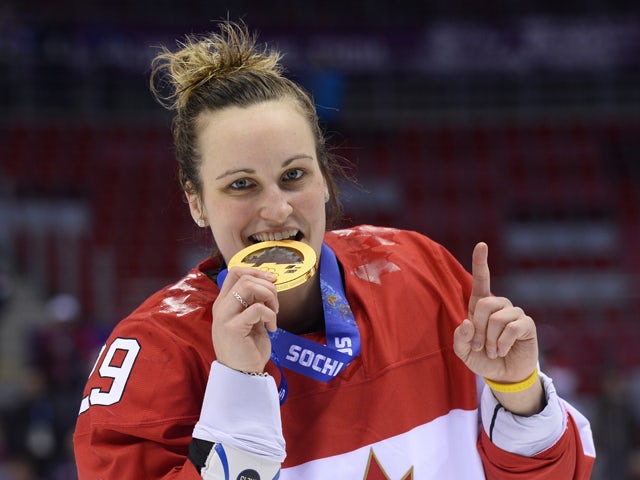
x=219, y=70
x=220, y=57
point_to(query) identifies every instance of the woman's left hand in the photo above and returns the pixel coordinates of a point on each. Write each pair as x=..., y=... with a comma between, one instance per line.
x=497, y=341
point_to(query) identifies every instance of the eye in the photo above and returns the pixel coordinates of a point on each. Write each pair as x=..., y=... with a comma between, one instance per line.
x=241, y=184
x=293, y=174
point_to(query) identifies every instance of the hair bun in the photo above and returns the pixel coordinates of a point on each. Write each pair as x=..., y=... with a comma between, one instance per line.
x=202, y=59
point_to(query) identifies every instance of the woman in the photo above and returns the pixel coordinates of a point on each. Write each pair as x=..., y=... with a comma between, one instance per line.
x=365, y=371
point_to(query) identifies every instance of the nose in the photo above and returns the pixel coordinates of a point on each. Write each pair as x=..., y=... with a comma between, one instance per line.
x=275, y=205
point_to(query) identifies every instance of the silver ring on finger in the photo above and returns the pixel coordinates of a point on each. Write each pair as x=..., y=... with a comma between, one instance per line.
x=240, y=299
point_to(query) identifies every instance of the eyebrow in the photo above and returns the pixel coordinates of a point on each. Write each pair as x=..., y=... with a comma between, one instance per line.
x=234, y=171
x=286, y=163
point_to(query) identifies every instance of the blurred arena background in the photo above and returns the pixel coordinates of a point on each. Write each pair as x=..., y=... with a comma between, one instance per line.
x=516, y=123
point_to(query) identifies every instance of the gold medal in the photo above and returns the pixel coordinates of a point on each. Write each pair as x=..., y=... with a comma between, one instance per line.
x=293, y=262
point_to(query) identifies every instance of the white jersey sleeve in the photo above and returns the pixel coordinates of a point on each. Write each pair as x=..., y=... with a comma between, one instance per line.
x=240, y=421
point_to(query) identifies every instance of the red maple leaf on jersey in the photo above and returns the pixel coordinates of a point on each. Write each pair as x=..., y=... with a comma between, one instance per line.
x=376, y=472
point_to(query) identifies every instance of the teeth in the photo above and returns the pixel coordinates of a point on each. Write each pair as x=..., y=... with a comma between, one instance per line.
x=271, y=236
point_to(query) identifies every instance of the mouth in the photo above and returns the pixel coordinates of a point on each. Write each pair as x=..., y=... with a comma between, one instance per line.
x=291, y=234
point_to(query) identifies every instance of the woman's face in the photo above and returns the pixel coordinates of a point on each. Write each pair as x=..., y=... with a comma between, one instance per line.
x=260, y=177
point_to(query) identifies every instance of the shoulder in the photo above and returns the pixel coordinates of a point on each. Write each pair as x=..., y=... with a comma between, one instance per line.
x=156, y=358
x=380, y=255
x=402, y=245
x=370, y=236
x=177, y=308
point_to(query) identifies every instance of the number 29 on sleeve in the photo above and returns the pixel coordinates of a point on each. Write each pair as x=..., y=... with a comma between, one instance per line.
x=124, y=351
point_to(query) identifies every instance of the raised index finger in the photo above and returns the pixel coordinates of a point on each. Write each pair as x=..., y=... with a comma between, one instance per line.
x=481, y=283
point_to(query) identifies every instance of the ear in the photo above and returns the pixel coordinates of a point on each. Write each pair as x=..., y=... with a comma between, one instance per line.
x=327, y=196
x=196, y=209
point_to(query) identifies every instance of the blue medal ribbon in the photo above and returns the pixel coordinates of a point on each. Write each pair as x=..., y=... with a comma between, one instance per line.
x=309, y=358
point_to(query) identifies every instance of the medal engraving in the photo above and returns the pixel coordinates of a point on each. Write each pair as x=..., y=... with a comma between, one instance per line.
x=293, y=262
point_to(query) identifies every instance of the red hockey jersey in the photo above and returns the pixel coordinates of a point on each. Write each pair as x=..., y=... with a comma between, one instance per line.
x=406, y=408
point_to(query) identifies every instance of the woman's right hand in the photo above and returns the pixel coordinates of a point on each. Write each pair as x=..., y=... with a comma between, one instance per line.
x=247, y=303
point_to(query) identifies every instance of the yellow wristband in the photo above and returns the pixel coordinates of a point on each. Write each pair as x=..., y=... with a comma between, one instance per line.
x=513, y=387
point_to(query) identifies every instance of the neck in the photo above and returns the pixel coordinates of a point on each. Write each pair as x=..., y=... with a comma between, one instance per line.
x=301, y=308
